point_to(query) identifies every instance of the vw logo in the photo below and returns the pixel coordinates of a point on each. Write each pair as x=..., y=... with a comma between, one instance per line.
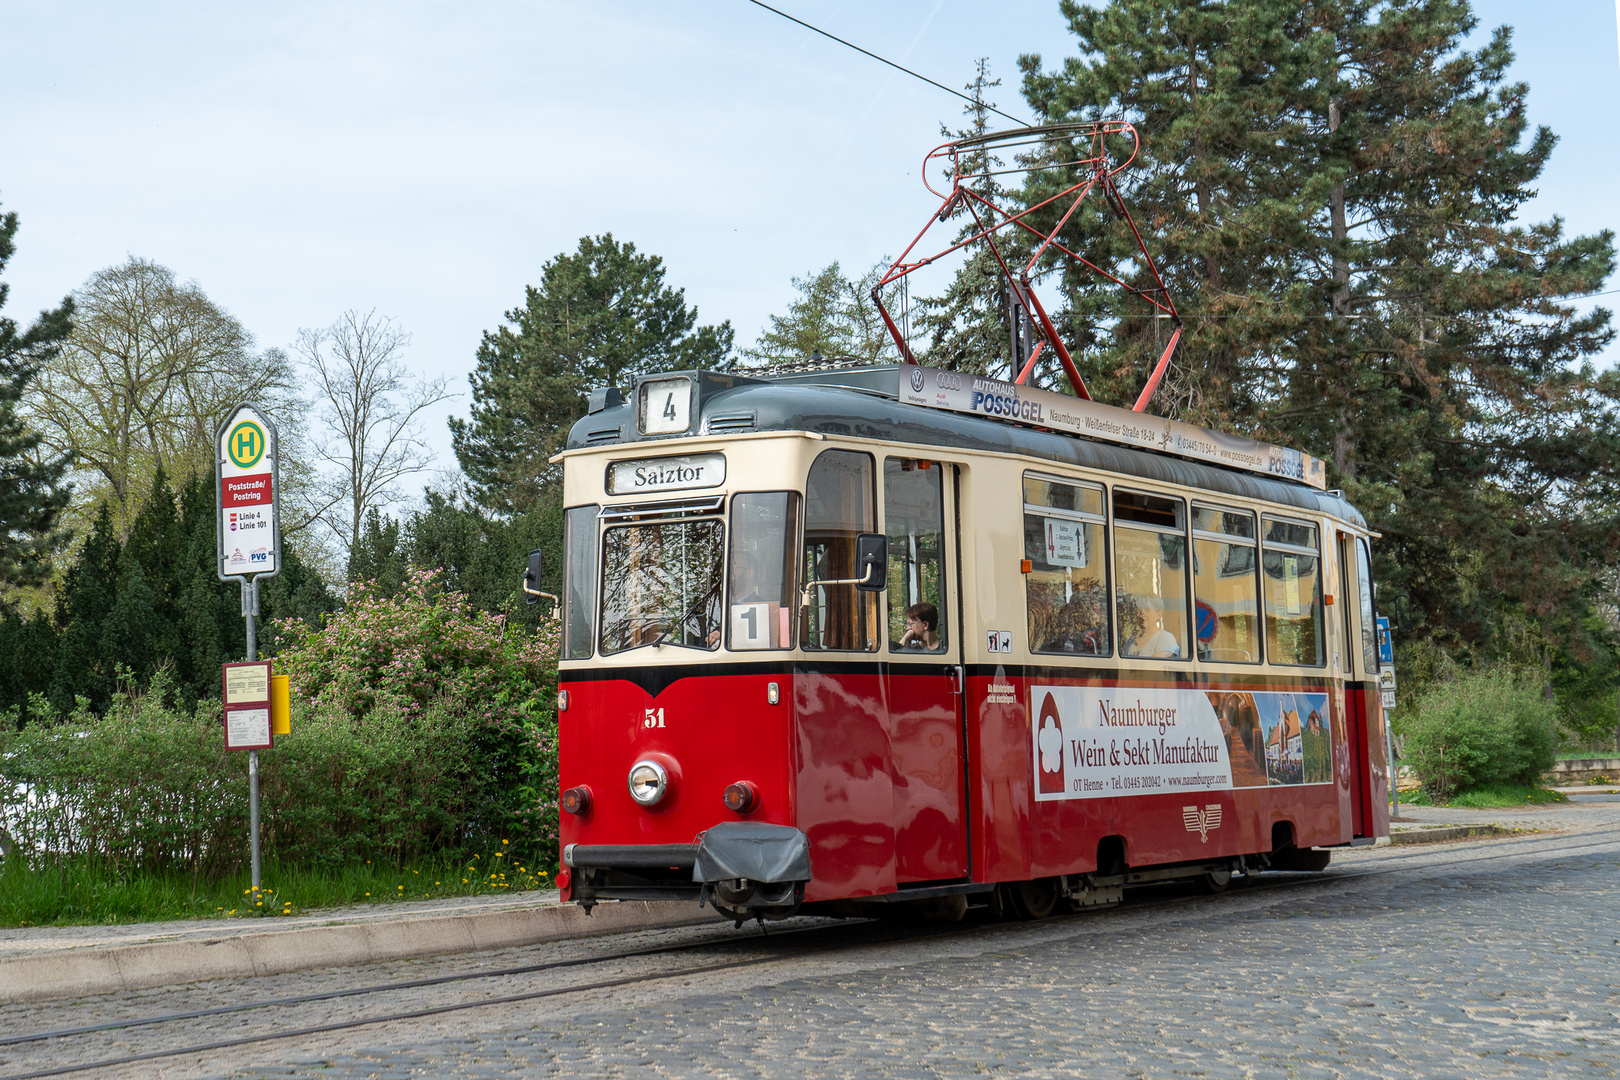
x=917, y=379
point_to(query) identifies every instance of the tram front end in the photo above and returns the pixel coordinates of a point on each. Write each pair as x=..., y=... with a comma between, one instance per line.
x=675, y=705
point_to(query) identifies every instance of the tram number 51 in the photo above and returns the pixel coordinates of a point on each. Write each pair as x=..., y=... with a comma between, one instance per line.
x=655, y=718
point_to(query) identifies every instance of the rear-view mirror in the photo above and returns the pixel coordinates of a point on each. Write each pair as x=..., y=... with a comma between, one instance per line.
x=531, y=579
x=871, y=562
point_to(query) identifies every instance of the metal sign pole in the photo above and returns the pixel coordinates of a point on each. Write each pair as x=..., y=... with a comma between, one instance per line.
x=250, y=610
x=247, y=482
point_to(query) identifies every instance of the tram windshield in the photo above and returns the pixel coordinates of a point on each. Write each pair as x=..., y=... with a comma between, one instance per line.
x=661, y=584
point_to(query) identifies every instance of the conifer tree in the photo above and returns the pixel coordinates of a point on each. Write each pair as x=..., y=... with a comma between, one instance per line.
x=31, y=491
x=833, y=316
x=27, y=659
x=599, y=316
x=1332, y=193
x=377, y=556
x=89, y=592
x=967, y=326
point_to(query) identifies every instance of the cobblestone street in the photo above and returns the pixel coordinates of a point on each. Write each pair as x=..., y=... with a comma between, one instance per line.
x=1466, y=960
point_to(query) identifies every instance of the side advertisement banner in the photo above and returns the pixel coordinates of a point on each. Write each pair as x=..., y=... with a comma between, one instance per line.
x=1105, y=742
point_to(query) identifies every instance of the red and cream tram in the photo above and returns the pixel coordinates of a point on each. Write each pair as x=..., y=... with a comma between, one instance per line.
x=870, y=634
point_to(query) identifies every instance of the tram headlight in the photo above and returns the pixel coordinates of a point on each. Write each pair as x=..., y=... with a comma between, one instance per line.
x=648, y=782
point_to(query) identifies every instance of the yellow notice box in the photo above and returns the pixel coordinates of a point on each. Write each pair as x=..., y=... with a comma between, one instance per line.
x=280, y=706
x=247, y=684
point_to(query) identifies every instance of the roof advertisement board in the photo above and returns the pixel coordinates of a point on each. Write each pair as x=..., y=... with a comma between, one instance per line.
x=961, y=392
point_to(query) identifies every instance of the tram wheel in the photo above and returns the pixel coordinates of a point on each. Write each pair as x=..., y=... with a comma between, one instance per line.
x=1029, y=900
x=1216, y=881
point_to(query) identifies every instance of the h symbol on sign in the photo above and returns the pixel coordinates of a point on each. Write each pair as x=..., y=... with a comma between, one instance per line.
x=247, y=444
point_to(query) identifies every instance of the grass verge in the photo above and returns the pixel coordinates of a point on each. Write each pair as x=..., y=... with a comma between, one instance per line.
x=1489, y=797
x=82, y=892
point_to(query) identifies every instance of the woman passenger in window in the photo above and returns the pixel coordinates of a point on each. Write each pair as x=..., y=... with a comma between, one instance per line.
x=1161, y=643
x=922, y=624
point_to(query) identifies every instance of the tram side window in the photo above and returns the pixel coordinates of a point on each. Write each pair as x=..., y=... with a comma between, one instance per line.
x=1066, y=589
x=914, y=517
x=1292, y=576
x=579, y=581
x=839, y=505
x=661, y=584
x=1150, y=573
x=1226, y=619
x=1369, y=622
x=759, y=577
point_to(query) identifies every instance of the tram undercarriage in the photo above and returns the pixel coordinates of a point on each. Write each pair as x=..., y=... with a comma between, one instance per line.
x=715, y=871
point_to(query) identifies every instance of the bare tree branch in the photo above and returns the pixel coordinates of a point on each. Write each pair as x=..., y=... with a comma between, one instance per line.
x=371, y=406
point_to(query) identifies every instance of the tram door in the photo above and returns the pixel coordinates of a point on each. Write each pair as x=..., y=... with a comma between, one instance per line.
x=923, y=679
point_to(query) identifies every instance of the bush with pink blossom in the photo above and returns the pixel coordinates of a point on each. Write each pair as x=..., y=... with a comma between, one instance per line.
x=426, y=656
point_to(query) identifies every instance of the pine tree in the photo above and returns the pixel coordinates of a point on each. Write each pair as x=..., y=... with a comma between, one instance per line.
x=377, y=556
x=484, y=555
x=153, y=602
x=31, y=491
x=1332, y=192
x=89, y=593
x=1225, y=187
x=27, y=660
x=833, y=316
x=599, y=316
x=967, y=326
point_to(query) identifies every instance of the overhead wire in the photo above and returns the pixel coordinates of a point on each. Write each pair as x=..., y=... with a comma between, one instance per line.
x=866, y=52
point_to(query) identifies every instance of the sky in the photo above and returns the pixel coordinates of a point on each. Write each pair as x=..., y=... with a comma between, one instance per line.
x=425, y=160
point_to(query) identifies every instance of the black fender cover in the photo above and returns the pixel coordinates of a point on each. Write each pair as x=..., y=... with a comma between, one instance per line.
x=752, y=850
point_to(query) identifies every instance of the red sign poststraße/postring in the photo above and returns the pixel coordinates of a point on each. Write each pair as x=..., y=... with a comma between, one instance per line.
x=245, y=490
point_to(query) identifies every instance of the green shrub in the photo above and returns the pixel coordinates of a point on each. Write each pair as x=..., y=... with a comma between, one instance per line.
x=142, y=786
x=1483, y=727
x=422, y=729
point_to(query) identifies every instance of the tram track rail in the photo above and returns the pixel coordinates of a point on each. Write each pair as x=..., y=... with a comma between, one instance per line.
x=1289, y=881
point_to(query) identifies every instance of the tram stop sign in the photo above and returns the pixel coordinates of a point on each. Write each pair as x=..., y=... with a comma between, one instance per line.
x=249, y=493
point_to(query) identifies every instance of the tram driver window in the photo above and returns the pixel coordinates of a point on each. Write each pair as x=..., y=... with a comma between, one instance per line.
x=1150, y=573
x=913, y=516
x=759, y=573
x=661, y=584
x=1066, y=589
x=1291, y=574
x=579, y=559
x=1226, y=617
x=839, y=504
